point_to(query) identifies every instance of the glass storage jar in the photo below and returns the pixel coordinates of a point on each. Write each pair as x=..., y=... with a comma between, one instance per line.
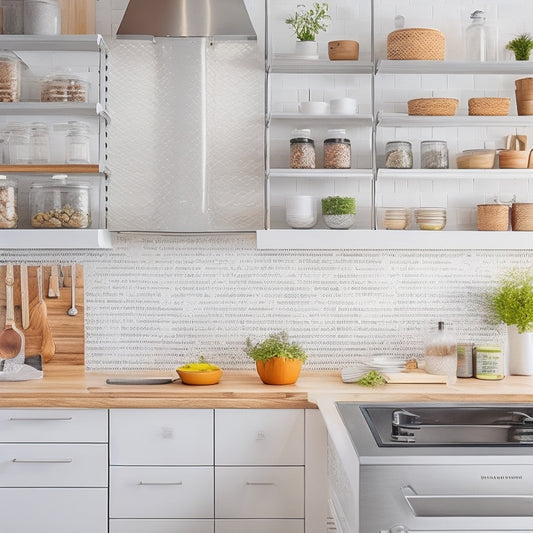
x=440, y=355
x=39, y=152
x=42, y=17
x=302, y=150
x=8, y=203
x=480, y=40
x=13, y=15
x=18, y=143
x=337, y=150
x=398, y=154
x=10, y=74
x=77, y=146
x=433, y=154
x=60, y=203
x=64, y=88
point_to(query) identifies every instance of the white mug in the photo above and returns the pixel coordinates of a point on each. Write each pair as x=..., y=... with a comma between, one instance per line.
x=314, y=108
x=343, y=106
x=301, y=211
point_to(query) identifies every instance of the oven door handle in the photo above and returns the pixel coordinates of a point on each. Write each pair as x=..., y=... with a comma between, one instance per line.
x=468, y=504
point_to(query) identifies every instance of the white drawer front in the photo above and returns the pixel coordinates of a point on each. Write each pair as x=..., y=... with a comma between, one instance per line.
x=259, y=526
x=259, y=492
x=141, y=525
x=54, y=510
x=53, y=465
x=53, y=425
x=155, y=492
x=161, y=436
x=259, y=437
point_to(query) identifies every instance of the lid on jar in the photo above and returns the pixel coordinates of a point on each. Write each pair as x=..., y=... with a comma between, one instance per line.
x=433, y=142
x=301, y=133
x=405, y=144
x=338, y=135
x=59, y=182
x=478, y=15
x=4, y=182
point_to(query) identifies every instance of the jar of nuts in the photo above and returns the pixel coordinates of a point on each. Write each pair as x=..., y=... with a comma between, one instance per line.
x=337, y=150
x=8, y=203
x=398, y=154
x=302, y=149
x=60, y=203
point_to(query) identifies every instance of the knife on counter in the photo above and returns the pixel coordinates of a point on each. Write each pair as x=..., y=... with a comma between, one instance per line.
x=140, y=381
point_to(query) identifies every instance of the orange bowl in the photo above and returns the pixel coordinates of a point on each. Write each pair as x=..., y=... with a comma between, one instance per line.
x=203, y=377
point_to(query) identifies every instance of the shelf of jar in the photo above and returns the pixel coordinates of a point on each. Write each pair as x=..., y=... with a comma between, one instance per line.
x=403, y=119
x=52, y=43
x=354, y=239
x=51, y=108
x=293, y=64
x=388, y=66
x=321, y=173
x=49, y=239
x=50, y=169
x=454, y=173
x=360, y=117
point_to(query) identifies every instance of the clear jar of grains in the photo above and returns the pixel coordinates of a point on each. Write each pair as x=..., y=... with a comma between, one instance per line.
x=398, y=154
x=337, y=150
x=8, y=203
x=434, y=154
x=302, y=150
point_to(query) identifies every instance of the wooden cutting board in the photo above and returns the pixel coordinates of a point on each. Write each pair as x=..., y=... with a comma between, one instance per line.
x=414, y=376
x=78, y=16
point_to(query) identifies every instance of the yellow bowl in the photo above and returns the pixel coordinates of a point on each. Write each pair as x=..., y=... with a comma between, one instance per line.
x=204, y=377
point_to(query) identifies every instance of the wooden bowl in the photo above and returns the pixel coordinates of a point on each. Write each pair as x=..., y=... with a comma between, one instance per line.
x=343, y=50
x=476, y=159
x=203, y=377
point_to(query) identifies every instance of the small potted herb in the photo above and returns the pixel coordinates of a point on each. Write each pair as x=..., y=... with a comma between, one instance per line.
x=338, y=211
x=521, y=45
x=306, y=25
x=278, y=361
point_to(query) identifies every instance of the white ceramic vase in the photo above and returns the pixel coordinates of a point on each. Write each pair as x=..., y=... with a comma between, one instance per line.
x=306, y=49
x=520, y=352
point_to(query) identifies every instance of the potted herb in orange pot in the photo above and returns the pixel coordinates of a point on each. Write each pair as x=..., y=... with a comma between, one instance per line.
x=278, y=361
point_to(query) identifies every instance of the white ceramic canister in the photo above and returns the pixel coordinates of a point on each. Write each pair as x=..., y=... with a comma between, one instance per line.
x=42, y=17
x=301, y=211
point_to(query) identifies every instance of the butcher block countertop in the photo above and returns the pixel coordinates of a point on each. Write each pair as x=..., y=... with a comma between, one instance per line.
x=72, y=386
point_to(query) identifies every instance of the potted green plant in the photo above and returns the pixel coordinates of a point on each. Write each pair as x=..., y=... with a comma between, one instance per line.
x=338, y=211
x=306, y=25
x=278, y=361
x=512, y=303
x=521, y=45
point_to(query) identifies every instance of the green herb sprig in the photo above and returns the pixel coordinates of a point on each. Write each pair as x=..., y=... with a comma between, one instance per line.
x=307, y=24
x=371, y=379
x=276, y=345
x=338, y=205
x=521, y=45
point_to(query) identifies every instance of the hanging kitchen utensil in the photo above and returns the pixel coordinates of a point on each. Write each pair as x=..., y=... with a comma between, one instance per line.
x=10, y=339
x=24, y=296
x=53, y=282
x=72, y=310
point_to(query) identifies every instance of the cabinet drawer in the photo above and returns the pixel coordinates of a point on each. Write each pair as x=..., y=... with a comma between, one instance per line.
x=53, y=425
x=53, y=465
x=57, y=510
x=259, y=526
x=259, y=492
x=259, y=437
x=155, y=492
x=161, y=436
x=140, y=525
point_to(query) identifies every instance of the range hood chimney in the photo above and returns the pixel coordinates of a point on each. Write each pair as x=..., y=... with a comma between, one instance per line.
x=226, y=19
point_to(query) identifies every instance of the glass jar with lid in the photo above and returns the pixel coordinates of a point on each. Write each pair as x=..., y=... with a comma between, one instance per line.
x=39, y=153
x=302, y=149
x=10, y=75
x=337, y=150
x=480, y=40
x=433, y=154
x=42, y=17
x=8, y=203
x=18, y=143
x=398, y=154
x=77, y=146
x=60, y=203
x=64, y=87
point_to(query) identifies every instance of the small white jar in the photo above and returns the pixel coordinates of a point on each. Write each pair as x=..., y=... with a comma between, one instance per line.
x=42, y=17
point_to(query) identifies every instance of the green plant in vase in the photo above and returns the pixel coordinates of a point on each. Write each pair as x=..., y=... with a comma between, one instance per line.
x=521, y=45
x=306, y=24
x=338, y=211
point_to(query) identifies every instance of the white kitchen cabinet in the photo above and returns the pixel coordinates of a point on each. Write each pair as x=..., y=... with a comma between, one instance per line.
x=161, y=526
x=259, y=526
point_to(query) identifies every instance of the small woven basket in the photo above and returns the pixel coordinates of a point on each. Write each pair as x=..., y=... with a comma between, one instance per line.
x=489, y=106
x=522, y=217
x=416, y=43
x=433, y=106
x=493, y=217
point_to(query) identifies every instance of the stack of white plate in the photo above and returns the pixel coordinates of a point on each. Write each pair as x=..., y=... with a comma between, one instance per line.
x=431, y=218
x=396, y=218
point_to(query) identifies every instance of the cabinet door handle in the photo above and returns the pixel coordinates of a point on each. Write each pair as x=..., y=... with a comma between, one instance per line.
x=148, y=483
x=259, y=483
x=24, y=419
x=40, y=461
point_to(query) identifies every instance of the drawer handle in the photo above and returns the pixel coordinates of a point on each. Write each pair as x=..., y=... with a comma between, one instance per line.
x=54, y=461
x=259, y=484
x=148, y=483
x=22, y=419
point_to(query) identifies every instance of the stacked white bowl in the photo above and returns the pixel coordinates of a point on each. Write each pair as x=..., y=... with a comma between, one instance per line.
x=396, y=218
x=301, y=211
x=430, y=218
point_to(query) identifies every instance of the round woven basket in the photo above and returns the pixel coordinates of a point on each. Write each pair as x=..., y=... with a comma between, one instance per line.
x=433, y=106
x=489, y=106
x=493, y=217
x=522, y=217
x=416, y=43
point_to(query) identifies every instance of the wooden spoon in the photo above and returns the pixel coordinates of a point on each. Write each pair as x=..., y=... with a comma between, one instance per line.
x=10, y=339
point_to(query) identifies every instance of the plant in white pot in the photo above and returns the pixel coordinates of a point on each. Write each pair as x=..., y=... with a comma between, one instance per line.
x=338, y=211
x=306, y=25
x=512, y=303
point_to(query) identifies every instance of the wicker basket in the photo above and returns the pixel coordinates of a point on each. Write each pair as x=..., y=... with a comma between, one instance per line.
x=416, y=43
x=489, y=106
x=522, y=217
x=433, y=106
x=493, y=217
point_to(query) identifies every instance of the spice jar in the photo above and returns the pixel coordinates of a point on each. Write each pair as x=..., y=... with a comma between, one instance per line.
x=77, y=147
x=337, y=150
x=8, y=203
x=42, y=17
x=434, y=154
x=488, y=363
x=10, y=74
x=60, y=203
x=441, y=354
x=398, y=154
x=302, y=149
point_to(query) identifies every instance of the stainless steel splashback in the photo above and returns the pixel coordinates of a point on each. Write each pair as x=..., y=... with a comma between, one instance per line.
x=186, y=136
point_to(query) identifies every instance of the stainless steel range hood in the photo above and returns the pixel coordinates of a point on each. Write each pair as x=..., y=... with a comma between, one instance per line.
x=227, y=19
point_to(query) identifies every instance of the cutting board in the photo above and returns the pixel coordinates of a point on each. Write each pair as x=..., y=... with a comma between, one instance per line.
x=414, y=376
x=78, y=16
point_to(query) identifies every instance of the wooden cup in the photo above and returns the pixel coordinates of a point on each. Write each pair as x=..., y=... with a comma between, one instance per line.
x=515, y=159
x=343, y=50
